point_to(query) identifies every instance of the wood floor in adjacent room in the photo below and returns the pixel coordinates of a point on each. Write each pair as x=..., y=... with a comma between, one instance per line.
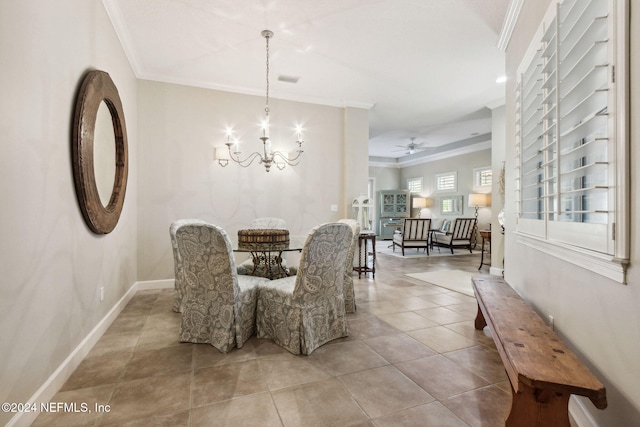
x=413, y=358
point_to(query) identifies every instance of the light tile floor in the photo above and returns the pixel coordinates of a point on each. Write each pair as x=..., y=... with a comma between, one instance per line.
x=413, y=358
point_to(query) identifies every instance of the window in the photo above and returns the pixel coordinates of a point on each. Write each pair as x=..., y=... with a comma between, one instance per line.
x=571, y=144
x=414, y=185
x=482, y=179
x=447, y=182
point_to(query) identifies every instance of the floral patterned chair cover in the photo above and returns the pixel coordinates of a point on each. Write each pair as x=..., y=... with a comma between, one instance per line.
x=219, y=306
x=302, y=313
x=349, y=294
x=177, y=262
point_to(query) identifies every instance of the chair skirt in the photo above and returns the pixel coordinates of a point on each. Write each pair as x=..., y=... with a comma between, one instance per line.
x=298, y=327
x=212, y=320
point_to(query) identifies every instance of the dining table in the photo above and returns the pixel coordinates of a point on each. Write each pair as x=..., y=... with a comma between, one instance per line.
x=267, y=257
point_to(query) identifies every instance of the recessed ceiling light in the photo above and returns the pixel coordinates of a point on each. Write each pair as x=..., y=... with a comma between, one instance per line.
x=501, y=79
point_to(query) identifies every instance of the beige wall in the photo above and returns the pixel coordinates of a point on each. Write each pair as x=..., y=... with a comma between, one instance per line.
x=179, y=128
x=356, y=153
x=387, y=178
x=391, y=178
x=52, y=265
x=599, y=318
x=464, y=166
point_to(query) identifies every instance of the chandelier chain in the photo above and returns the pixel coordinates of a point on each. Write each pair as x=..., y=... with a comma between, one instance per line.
x=266, y=109
x=268, y=157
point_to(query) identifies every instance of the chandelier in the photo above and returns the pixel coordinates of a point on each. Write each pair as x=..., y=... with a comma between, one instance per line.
x=268, y=157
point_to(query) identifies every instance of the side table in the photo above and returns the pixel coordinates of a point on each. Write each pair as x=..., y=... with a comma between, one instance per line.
x=486, y=237
x=363, y=254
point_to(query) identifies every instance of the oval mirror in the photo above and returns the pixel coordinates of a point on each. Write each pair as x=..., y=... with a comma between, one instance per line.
x=104, y=154
x=99, y=148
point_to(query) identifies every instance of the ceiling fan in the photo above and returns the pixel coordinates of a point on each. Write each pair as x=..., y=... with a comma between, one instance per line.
x=412, y=147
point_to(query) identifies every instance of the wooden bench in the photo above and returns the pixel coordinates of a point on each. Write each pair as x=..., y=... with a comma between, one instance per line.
x=542, y=370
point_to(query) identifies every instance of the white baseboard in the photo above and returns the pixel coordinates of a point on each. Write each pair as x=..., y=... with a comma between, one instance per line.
x=495, y=271
x=579, y=414
x=155, y=284
x=51, y=386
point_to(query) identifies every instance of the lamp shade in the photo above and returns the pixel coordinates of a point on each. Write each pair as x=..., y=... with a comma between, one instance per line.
x=221, y=153
x=419, y=202
x=479, y=200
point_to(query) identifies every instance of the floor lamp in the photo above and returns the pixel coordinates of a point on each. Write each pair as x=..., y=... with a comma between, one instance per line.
x=419, y=203
x=478, y=200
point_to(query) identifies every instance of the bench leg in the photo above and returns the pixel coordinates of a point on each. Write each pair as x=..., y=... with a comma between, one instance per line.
x=538, y=408
x=480, y=322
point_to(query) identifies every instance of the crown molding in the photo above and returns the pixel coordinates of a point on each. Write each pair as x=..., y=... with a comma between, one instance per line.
x=117, y=20
x=510, y=19
x=381, y=163
x=340, y=103
x=486, y=145
x=399, y=163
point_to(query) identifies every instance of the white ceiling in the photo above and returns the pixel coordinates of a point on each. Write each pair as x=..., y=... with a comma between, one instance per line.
x=426, y=68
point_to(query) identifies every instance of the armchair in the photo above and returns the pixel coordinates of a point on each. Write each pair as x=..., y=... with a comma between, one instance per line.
x=302, y=313
x=460, y=236
x=414, y=234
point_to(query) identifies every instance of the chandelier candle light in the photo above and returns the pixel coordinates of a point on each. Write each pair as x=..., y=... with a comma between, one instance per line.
x=268, y=157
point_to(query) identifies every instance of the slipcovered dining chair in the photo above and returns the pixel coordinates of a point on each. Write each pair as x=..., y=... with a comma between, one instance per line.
x=219, y=307
x=302, y=313
x=179, y=285
x=349, y=294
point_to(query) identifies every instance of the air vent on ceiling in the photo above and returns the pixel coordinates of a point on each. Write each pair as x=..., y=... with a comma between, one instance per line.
x=288, y=79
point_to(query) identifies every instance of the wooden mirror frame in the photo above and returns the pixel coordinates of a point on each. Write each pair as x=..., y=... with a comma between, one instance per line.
x=96, y=87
